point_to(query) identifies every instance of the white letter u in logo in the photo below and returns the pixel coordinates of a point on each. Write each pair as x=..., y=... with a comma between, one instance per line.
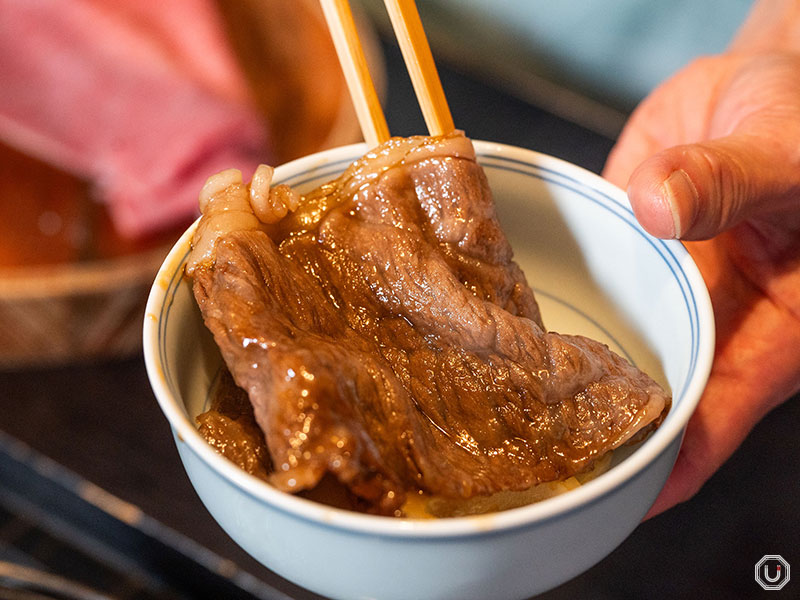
x=777, y=574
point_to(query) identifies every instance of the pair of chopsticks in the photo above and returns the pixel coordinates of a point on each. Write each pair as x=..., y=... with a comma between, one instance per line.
x=419, y=62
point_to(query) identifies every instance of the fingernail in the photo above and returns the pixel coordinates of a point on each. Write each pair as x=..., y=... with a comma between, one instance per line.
x=675, y=186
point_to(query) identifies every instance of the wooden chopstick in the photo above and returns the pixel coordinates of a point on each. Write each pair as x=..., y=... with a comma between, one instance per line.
x=419, y=62
x=356, y=72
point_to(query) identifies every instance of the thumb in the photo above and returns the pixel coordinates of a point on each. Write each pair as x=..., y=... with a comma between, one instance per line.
x=696, y=191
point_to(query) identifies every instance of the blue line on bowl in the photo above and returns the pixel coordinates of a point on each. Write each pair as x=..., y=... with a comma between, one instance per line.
x=575, y=309
x=166, y=306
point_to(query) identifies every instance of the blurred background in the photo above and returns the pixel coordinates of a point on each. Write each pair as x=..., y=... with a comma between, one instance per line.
x=112, y=115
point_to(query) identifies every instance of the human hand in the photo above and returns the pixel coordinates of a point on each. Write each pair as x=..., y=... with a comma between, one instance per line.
x=713, y=156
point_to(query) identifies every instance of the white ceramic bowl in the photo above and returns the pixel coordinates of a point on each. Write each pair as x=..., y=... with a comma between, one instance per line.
x=595, y=272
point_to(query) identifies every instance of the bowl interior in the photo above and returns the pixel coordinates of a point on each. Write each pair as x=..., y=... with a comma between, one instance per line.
x=593, y=269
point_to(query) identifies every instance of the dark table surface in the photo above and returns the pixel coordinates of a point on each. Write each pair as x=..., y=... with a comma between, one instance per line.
x=102, y=421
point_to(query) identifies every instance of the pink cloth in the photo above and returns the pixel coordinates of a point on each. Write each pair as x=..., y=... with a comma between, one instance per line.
x=143, y=98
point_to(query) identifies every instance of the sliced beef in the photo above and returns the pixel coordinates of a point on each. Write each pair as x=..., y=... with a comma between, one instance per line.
x=384, y=335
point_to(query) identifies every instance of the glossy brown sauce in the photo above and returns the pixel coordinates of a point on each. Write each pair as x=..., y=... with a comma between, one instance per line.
x=229, y=426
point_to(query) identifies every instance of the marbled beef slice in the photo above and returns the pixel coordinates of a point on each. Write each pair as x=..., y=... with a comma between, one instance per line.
x=384, y=334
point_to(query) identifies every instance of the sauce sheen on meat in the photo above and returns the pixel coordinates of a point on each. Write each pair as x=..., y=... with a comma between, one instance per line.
x=385, y=336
